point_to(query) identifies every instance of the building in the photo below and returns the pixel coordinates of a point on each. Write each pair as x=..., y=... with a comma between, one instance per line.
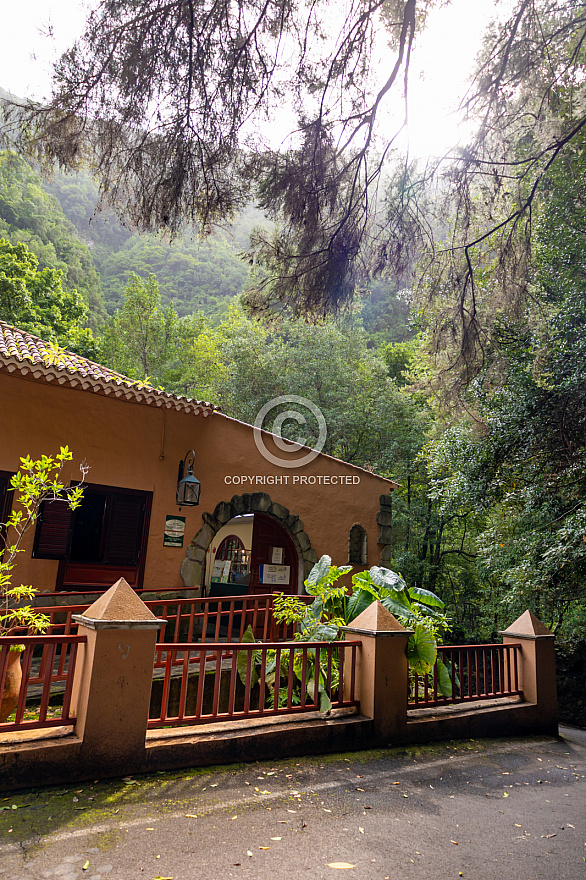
x=264, y=516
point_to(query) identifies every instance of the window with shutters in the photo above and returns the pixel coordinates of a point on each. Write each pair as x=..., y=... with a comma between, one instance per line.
x=108, y=530
x=53, y=531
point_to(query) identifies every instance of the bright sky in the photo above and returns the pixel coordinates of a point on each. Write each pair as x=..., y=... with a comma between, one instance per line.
x=441, y=65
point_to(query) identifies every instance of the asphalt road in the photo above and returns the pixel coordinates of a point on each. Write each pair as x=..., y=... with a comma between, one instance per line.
x=481, y=809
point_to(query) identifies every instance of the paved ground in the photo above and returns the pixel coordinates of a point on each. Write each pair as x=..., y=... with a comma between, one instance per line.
x=512, y=810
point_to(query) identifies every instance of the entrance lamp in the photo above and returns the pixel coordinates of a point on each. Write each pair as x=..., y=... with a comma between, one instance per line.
x=188, y=487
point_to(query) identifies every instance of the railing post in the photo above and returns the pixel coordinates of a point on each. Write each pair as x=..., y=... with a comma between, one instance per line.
x=113, y=678
x=537, y=672
x=382, y=675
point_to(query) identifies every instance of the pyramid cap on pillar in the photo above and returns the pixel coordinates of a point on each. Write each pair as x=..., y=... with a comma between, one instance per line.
x=527, y=625
x=376, y=619
x=118, y=607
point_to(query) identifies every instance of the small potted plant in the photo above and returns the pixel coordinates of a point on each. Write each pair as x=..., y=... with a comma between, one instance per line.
x=35, y=482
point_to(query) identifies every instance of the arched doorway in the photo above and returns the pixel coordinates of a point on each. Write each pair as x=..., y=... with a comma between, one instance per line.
x=278, y=529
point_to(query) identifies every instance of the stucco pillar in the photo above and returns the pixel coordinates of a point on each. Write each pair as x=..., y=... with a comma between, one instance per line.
x=382, y=671
x=538, y=679
x=113, y=678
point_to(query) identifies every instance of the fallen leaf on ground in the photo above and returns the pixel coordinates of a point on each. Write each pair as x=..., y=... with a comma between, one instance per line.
x=455, y=842
x=86, y=866
x=264, y=847
x=248, y=853
x=340, y=865
x=547, y=836
x=187, y=816
x=276, y=838
x=361, y=830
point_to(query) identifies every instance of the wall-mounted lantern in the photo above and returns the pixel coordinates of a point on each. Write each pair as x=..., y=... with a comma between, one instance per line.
x=188, y=487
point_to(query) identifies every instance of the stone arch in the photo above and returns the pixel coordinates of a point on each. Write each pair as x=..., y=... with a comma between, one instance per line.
x=192, y=567
x=357, y=545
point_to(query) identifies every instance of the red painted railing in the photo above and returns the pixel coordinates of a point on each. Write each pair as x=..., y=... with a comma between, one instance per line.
x=475, y=672
x=48, y=667
x=215, y=618
x=210, y=683
x=207, y=619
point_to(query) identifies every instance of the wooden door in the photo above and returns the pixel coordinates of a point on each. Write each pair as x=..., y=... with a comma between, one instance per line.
x=266, y=534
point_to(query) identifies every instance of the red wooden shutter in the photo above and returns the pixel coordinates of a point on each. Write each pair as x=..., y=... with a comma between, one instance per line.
x=125, y=530
x=53, y=532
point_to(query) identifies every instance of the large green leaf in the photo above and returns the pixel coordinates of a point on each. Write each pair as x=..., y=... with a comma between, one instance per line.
x=444, y=681
x=325, y=704
x=319, y=570
x=425, y=596
x=384, y=577
x=421, y=650
x=398, y=608
x=358, y=602
x=242, y=659
x=326, y=632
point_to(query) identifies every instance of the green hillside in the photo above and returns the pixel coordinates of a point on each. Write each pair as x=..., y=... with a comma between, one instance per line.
x=58, y=220
x=193, y=274
x=30, y=215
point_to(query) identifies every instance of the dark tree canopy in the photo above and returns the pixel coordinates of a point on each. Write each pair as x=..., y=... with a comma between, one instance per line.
x=176, y=105
x=528, y=96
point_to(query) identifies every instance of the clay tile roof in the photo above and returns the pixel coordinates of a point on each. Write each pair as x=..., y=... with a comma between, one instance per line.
x=33, y=358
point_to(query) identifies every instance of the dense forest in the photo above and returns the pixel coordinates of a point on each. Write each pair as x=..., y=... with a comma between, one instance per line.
x=466, y=384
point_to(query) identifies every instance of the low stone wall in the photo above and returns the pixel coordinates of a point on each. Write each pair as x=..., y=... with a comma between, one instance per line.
x=113, y=690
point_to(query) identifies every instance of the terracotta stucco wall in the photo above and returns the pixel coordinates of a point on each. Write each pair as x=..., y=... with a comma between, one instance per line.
x=133, y=446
